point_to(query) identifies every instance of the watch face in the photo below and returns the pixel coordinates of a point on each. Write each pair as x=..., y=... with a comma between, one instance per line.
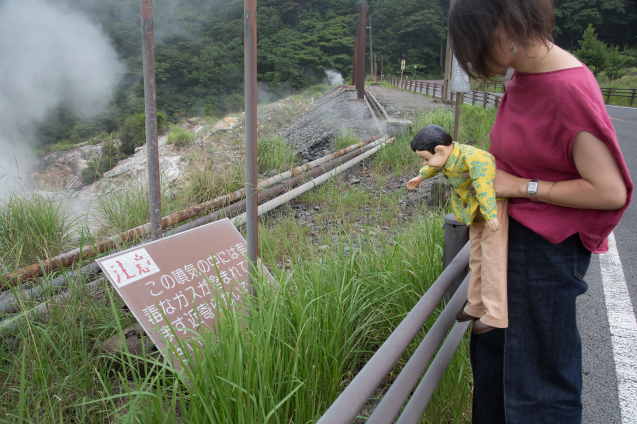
x=532, y=188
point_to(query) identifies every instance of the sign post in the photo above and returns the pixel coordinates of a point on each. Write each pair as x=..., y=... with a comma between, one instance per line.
x=402, y=70
x=459, y=84
x=174, y=286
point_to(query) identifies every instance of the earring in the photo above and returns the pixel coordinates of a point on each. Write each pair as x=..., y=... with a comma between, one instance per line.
x=513, y=48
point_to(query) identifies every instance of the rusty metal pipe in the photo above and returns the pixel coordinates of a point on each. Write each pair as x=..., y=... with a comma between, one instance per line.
x=69, y=258
x=150, y=101
x=9, y=302
x=266, y=207
x=273, y=191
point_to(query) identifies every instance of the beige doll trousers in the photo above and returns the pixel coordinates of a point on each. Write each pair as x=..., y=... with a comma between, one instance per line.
x=488, y=280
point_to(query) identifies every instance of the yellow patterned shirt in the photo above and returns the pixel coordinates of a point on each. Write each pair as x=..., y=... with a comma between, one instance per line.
x=481, y=167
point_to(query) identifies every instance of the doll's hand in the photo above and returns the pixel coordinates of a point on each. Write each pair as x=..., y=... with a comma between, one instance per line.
x=494, y=225
x=414, y=182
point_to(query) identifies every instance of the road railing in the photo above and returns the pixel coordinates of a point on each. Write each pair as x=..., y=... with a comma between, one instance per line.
x=484, y=98
x=345, y=409
x=619, y=93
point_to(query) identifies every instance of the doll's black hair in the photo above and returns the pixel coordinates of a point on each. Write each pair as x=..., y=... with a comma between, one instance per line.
x=429, y=138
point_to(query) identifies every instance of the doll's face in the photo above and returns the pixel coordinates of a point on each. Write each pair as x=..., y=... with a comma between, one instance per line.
x=436, y=160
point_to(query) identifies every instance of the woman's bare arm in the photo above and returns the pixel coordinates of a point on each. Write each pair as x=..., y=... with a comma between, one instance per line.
x=601, y=187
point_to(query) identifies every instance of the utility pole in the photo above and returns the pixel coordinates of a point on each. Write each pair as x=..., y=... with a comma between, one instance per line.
x=360, y=61
x=371, y=52
x=381, y=68
x=354, y=69
x=445, y=85
x=375, y=67
x=150, y=106
x=442, y=65
x=250, y=71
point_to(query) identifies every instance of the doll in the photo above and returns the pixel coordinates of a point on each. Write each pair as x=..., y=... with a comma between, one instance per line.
x=487, y=216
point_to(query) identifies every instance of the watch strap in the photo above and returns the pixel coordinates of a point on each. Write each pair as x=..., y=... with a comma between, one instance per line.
x=531, y=190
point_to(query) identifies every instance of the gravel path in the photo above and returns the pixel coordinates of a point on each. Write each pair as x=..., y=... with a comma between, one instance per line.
x=338, y=112
x=405, y=104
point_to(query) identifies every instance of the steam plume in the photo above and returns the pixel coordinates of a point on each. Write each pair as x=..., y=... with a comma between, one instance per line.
x=51, y=55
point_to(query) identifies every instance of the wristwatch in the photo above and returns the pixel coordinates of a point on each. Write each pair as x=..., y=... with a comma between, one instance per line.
x=531, y=190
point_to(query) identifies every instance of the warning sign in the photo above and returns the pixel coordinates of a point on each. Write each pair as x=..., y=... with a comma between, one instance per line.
x=460, y=82
x=172, y=285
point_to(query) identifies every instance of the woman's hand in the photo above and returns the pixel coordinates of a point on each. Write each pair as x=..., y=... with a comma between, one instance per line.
x=505, y=184
x=601, y=185
x=509, y=186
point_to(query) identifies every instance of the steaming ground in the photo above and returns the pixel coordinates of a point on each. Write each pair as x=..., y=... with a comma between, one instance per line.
x=312, y=129
x=51, y=56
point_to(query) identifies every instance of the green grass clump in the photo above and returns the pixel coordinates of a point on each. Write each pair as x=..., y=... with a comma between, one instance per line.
x=32, y=228
x=475, y=125
x=207, y=183
x=180, y=136
x=345, y=139
x=273, y=153
x=129, y=207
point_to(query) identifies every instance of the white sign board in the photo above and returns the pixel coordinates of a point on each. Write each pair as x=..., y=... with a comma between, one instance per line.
x=460, y=82
x=402, y=65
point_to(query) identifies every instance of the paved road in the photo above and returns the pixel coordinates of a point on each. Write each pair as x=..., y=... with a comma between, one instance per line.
x=605, y=364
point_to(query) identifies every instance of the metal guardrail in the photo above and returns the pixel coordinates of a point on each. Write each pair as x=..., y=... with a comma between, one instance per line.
x=629, y=93
x=485, y=98
x=489, y=86
x=364, y=385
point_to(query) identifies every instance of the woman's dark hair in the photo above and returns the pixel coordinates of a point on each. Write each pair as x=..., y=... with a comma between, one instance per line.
x=429, y=138
x=473, y=29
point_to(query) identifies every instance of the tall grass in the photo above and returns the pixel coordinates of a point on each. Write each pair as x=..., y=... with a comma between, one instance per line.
x=475, y=125
x=129, y=206
x=345, y=139
x=33, y=227
x=180, y=136
x=274, y=154
x=285, y=362
x=207, y=183
x=53, y=365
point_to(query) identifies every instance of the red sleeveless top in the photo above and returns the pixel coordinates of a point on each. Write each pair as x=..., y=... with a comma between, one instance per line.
x=538, y=119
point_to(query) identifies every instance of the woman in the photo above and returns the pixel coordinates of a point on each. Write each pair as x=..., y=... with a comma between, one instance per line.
x=560, y=165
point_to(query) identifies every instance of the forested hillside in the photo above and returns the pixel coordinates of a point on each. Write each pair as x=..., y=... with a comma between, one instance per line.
x=199, y=48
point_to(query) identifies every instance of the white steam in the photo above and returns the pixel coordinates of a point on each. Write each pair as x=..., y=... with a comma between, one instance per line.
x=334, y=77
x=51, y=55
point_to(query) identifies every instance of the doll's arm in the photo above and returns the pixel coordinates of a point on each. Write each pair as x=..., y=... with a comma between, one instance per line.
x=425, y=172
x=482, y=172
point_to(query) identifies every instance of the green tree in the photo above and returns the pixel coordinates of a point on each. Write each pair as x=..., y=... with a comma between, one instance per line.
x=616, y=63
x=592, y=51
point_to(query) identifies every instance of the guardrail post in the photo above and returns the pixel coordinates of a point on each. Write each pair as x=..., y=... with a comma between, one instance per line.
x=485, y=99
x=497, y=102
x=632, y=97
x=456, y=236
x=473, y=98
x=610, y=90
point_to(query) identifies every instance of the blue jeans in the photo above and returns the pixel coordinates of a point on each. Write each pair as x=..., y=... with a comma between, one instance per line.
x=531, y=372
